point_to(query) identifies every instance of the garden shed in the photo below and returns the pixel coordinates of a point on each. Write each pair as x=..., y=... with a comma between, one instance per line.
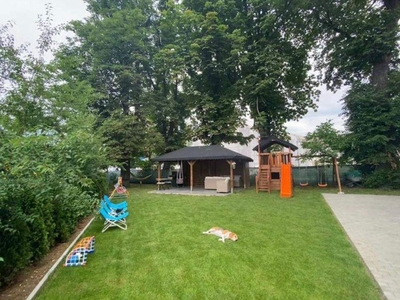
x=199, y=162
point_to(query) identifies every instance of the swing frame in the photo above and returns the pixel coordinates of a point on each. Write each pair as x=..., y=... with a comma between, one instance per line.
x=335, y=165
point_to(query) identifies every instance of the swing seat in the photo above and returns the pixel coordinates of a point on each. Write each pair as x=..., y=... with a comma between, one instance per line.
x=304, y=184
x=322, y=185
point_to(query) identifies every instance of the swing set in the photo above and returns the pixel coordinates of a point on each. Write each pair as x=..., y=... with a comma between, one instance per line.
x=322, y=177
x=321, y=173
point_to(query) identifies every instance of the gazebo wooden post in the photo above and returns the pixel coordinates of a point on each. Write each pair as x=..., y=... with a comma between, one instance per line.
x=158, y=175
x=191, y=163
x=245, y=173
x=230, y=162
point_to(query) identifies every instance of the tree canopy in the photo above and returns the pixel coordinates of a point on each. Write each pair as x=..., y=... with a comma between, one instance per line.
x=162, y=73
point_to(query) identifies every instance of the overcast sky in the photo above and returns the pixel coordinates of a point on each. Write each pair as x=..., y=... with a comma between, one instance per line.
x=25, y=15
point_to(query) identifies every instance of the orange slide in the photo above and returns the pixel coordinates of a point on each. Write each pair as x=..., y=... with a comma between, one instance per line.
x=286, y=181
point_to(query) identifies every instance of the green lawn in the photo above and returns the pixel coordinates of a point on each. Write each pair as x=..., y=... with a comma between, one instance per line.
x=287, y=249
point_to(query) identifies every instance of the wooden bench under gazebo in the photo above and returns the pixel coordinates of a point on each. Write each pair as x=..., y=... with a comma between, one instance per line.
x=201, y=165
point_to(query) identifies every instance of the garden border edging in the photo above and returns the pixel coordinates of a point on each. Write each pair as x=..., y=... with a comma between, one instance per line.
x=47, y=275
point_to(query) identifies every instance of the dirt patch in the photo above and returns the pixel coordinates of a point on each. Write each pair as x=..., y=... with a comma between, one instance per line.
x=28, y=279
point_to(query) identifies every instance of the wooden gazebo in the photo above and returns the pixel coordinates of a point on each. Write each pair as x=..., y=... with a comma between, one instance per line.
x=201, y=161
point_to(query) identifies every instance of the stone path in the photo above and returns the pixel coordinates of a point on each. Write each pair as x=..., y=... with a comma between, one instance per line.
x=373, y=225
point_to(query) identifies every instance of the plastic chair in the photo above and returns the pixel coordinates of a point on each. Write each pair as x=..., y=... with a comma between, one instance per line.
x=113, y=211
x=113, y=205
x=114, y=221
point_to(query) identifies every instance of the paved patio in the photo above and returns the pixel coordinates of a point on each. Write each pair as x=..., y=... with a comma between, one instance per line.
x=373, y=225
x=187, y=191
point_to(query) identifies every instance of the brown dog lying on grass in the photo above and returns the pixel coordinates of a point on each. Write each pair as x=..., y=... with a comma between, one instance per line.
x=222, y=233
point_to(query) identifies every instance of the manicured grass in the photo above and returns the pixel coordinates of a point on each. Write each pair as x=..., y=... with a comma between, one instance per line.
x=287, y=249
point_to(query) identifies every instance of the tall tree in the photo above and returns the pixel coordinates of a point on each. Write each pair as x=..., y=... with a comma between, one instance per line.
x=217, y=111
x=276, y=80
x=359, y=42
x=252, y=51
x=325, y=142
x=168, y=73
x=114, y=44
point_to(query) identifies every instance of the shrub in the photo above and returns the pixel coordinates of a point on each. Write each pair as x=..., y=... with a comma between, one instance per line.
x=47, y=185
x=383, y=179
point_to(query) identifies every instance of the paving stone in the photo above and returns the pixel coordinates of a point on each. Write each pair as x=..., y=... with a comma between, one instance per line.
x=373, y=224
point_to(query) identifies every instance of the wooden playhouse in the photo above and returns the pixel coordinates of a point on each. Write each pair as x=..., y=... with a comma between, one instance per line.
x=274, y=168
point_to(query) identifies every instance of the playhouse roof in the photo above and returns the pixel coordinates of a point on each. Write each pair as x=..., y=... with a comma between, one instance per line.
x=267, y=142
x=213, y=152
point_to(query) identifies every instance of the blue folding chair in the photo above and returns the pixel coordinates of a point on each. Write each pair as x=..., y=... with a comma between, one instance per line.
x=112, y=205
x=111, y=211
x=113, y=221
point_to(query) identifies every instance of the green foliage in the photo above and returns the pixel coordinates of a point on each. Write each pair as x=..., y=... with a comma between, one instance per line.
x=356, y=37
x=34, y=216
x=276, y=82
x=389, y=179
x=50, y=157
x=124, y=135
x=373, y=138
x=246, y=55
x=208, y=62
x=170, y=56
x=48, y=183
x=134, y=75
x=217, y=111
x=358, y=46
x=324, y=141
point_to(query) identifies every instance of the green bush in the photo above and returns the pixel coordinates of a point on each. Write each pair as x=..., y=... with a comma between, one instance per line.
x=31, y=222
x=383, y=179
x=47, y=185
x=15, y=248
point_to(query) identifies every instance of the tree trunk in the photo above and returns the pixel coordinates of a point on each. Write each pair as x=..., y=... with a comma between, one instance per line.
x=126, y=173
x=391, y=4
x=380, y=73
x=380, y=69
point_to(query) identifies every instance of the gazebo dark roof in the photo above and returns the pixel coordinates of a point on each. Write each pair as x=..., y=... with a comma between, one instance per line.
x=214, y=152
x=267, y=142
